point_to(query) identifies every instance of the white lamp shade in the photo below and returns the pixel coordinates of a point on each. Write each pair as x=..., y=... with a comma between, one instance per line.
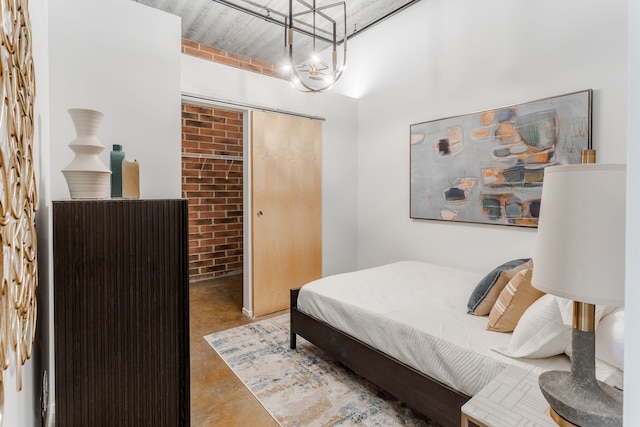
x=580, y=246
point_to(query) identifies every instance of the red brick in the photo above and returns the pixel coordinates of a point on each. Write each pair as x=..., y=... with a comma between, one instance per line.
x=190, y=108
x=225, y=60
x=198, y=53
x=214, y=190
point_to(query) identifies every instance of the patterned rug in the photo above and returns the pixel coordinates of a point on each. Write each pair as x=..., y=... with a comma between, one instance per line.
x=304, y=387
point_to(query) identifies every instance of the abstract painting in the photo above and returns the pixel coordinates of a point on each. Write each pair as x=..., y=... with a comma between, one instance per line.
x=488, y=167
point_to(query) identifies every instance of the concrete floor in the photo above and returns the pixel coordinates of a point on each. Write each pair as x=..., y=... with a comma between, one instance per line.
x=218, y=398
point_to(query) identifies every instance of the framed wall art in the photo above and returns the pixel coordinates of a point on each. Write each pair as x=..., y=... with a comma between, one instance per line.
x=488, y=167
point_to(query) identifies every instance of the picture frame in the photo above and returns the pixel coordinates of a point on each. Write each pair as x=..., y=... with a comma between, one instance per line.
x=488, y=167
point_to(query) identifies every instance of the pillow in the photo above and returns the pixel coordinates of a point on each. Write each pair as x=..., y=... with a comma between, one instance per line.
x=488, y=289
x=566, y=308
x=540, y=332
x=610, y=339
x=609, y=374
x=513, y=301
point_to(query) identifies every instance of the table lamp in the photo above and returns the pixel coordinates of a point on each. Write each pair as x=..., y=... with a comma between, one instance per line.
x=580, y=255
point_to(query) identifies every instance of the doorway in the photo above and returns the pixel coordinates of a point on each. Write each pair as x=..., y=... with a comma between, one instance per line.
x=212, y=181
x=223, y=227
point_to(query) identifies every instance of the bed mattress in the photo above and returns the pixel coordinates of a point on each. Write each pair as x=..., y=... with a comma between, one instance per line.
x=416, y=312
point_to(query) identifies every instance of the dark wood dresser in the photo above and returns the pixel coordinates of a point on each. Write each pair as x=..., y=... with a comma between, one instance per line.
x=121, y=312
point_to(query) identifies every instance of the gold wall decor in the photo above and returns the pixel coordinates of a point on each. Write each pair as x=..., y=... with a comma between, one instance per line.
x=18, y=193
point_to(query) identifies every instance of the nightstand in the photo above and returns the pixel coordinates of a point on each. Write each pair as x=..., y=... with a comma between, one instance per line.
x=513, y=398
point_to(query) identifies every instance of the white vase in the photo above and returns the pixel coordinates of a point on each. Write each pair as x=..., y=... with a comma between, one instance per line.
x=87, y=177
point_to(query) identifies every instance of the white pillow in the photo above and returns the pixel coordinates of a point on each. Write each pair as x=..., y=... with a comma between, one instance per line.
x=540, y=332
x=566, y=308
x=610, y=339
x=609, y=374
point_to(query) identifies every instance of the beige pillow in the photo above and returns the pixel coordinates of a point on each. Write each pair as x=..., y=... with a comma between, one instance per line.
x=513, y=301
x=490, y=299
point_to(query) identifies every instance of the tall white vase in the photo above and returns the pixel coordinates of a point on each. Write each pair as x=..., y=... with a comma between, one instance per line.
x=86, y=176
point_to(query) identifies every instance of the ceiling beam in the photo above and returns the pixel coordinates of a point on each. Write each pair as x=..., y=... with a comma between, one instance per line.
x=270, y=19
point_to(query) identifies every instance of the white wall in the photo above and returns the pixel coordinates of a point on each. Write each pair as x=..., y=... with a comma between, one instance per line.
x=448, y=57
x=442, y=58
x=632, y=298
x=339, y=156
x=121, y=58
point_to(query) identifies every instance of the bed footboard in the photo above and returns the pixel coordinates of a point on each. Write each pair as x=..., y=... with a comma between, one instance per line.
x=435, y=400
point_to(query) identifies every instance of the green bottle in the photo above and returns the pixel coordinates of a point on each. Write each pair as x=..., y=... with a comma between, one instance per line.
x=117, y=155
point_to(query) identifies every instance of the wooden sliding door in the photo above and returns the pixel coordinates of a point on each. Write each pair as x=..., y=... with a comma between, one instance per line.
x=286, y=207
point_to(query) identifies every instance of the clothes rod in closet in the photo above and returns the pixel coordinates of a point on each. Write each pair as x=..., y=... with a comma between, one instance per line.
x=212, y=156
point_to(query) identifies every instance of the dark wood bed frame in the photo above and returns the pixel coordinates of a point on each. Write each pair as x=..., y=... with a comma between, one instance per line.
x=424, y=394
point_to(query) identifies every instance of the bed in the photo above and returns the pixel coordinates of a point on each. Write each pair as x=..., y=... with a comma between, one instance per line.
x=404, y=326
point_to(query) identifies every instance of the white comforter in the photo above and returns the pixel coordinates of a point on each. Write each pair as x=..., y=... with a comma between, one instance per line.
x=416, y=312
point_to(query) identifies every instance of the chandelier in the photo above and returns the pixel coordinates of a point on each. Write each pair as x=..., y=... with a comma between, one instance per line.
x=313, y=73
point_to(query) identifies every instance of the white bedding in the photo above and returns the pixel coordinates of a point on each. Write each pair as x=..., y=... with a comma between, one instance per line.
x=416, y=312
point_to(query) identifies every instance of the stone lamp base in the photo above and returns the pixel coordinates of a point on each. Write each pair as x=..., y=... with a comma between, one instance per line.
x=577, y=396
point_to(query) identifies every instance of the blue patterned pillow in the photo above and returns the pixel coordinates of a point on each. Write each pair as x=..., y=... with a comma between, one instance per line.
x=485, y=285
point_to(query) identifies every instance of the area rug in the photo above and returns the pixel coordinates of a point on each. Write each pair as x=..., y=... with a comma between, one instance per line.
x=304, y=387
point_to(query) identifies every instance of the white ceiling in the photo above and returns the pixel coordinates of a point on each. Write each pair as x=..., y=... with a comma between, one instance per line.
x=246, y=27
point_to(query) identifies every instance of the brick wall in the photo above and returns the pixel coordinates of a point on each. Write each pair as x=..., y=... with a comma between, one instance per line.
x=214, y=190
x=216, y=55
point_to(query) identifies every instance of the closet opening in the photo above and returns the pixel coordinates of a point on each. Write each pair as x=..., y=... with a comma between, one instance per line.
x=212, y=182
x=218, y=162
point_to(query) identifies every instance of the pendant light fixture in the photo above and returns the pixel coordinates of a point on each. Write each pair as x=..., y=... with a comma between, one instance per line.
x=315, y=74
